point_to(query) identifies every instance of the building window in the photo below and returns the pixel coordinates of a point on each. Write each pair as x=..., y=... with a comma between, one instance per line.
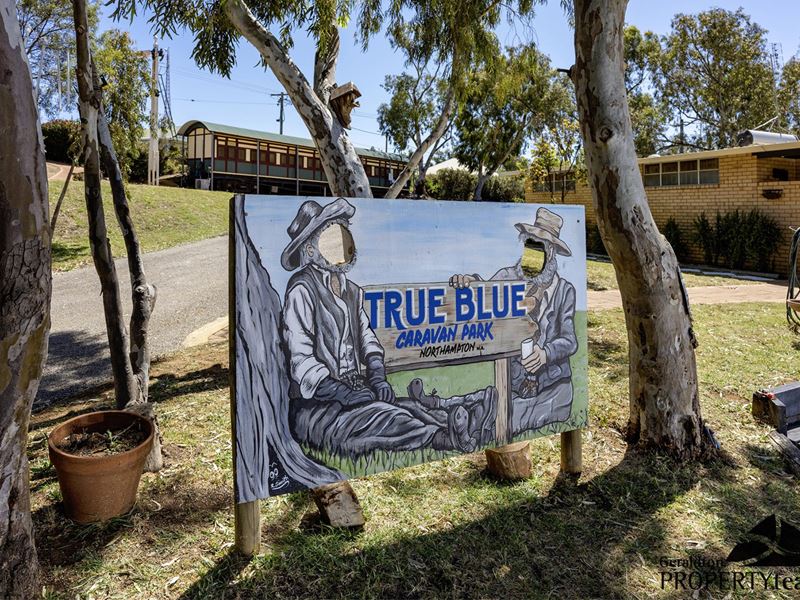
x=683, y=173
x=709, y=171
x=652, y=175
x=556, y=182
x=688, y=172
x=669, y=173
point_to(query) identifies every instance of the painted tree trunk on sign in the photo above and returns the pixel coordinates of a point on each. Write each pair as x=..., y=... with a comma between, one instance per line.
x=25, y=284
x=264, y=443
x=664, y=398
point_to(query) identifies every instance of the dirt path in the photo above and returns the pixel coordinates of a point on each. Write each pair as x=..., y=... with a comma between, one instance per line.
x=719, y=294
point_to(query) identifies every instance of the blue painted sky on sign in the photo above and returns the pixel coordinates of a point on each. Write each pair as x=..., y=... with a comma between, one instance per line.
x=412, y=241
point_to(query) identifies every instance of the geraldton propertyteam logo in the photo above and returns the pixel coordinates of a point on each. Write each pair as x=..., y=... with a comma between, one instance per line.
x=773, y=542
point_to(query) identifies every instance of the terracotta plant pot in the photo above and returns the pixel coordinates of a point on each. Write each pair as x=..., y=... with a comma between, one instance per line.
x=98, y=487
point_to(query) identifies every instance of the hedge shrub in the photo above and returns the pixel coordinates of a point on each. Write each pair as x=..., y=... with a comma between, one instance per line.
x=738, y=239
x=62, y=139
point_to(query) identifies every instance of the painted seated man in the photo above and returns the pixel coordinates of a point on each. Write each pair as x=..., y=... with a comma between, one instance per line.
x=340, y=400
x=541, y=382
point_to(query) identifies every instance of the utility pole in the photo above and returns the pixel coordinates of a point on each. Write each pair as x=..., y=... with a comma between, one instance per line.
x=281, y=98
x=152, y=155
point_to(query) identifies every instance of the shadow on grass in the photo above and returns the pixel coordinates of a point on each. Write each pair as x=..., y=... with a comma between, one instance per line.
x=164, y=386
x=596, y=286
x=176, y=504
x=62, y=252
x=574, y=538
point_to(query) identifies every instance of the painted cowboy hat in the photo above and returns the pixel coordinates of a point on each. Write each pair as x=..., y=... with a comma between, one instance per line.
x=546, y=228
x=309, y=218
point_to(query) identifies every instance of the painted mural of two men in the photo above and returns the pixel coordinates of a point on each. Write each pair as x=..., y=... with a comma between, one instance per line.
x=340, y=399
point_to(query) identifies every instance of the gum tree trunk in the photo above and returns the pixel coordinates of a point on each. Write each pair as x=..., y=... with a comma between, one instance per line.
x=485, y=173
x=416, y=157
x=130, y=355
x=89, y=107
x=664, y=398
x=25, y=284
x=343, y=168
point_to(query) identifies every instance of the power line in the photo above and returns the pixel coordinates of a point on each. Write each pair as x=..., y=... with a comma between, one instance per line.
x=200, y=100
x=251, y=87
x=366, y=131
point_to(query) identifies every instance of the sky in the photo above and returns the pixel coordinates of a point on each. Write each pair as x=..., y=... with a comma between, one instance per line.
x=245, y=100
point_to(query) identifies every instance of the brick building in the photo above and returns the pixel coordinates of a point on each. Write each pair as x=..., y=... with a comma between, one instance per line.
x=682, y=186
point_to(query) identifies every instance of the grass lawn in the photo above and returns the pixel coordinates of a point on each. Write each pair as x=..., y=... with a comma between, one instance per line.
x=163, y=217
x=600, y=274
x=442, y=530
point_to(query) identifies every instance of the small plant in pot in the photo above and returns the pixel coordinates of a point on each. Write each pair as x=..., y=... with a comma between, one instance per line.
x=98, y=458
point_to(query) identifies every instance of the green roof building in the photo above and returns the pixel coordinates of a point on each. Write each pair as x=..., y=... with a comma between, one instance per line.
x=234, y=159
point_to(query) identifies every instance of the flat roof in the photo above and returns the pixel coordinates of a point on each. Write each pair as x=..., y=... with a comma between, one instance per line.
x=269, y=136
x=786, y=149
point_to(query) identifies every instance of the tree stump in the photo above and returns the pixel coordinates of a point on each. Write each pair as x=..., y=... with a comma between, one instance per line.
x=338, y=505
x=510, y=462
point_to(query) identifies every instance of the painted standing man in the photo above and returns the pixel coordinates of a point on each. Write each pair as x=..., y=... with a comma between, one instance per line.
x=340, y=400
x=541, y=382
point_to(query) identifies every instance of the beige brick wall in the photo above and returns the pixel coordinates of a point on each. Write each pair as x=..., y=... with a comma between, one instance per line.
x=742, y=179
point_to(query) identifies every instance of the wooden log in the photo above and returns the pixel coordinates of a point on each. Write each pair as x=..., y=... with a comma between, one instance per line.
x=510, y=462
x=790, y=452
x=571, y=452
x=338, y=505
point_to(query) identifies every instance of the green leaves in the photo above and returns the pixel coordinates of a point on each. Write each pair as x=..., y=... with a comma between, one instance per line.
x=127, y=75
x=714, y=73
x=513, y=96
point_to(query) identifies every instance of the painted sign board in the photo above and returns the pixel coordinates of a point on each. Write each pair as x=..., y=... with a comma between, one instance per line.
x=373, y=334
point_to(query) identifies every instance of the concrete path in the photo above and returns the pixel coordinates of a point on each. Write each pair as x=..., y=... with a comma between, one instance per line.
x=720, y=294
x=59, y=171
x=192, y=283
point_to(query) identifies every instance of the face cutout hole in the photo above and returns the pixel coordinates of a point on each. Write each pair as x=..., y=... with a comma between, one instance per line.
x=336, y=245
x=533, y=258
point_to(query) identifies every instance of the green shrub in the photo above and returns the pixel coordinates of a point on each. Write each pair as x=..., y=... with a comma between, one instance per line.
x=62, y=140
x=703, y=236
x=451, y=184
x=674, y=235
x=504, y=189
x=738, y=240
x=459, y=184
